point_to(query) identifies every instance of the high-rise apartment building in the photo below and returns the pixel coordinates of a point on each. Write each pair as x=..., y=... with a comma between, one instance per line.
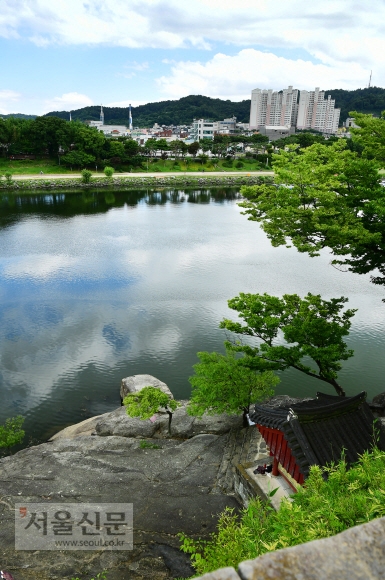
x=273, y=108
x=291, y=108
x=316, y=112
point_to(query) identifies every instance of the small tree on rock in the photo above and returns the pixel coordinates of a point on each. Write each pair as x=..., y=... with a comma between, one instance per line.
x=227, y=384
x=146, y=402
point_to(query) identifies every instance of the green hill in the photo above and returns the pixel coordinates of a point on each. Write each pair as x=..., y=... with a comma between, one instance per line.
x=19, y=116
x=179, y=112
x=183, y=111
x=362, y=100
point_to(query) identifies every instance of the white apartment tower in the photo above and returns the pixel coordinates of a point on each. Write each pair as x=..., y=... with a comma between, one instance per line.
x=274, y=108
x=316, y=112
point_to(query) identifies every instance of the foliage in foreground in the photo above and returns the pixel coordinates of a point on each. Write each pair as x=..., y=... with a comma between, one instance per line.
x=225, y=384
x=324, y=508
x=11, y=433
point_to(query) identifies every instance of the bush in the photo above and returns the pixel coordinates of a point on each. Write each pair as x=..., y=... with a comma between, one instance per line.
x=321, y=509
x=86, y=175
x=8, y=176
x=239, y=164
x=108, y=172
x=12, y=433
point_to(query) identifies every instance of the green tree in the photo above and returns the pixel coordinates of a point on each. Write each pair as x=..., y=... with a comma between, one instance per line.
x=226, y=384
x=312, y=328
x=78, y=159
x=146, y=402
x=108, y=172
x=193, y=148
x=11, y=433
x=370, y=135
x=329, y=197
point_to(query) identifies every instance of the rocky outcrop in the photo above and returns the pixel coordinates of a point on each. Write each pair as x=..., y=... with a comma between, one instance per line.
x=354, y=554
x=180, y=486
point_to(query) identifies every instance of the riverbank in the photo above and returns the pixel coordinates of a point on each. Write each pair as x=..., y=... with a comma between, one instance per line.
x=129, y=181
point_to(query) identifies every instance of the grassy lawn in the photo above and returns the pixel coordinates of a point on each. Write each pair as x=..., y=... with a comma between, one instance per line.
x=33, y=167
x=50, y=166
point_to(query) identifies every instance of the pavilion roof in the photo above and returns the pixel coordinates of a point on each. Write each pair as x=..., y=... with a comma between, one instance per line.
x=319, y=430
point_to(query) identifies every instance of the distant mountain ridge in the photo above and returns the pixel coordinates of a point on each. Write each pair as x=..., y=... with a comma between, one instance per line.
x=19, y=116
x=183, y=111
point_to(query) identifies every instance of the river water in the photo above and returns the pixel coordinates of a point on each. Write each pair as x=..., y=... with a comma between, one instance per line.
x=98, y=286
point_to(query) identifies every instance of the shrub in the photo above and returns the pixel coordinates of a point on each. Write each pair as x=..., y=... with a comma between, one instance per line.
x=148, y=445
x=8, y=176
x=321, y=509
x=11, y=433
x=108, y=171
x=239, y=164
x=86, y=175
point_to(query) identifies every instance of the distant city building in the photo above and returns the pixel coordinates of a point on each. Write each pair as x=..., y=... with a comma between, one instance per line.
x=203, y=129
x=110, y=130
x=273, y=108
x=350, y=123
x=292, y=108
x=274, y=132
x=316, y=112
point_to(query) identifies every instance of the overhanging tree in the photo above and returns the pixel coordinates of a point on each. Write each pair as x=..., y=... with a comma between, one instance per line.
x=329, y=197
x=292, y=332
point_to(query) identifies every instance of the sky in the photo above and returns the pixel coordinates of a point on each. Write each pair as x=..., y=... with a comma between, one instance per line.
x=60, y=55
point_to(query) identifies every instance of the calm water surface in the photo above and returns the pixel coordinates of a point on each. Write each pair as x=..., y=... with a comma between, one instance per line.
x=98, y=286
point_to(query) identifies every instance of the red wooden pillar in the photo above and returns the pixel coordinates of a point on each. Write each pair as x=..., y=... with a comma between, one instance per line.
x=275, y=467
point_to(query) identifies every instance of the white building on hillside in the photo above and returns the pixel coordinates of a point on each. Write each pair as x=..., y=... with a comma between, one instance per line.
x=316, y=112
x=273, y=108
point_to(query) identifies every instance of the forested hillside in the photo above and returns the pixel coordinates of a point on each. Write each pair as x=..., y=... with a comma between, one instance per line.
x=362, y=100
x=19, y=116
x=183, y=111
x=180, y=112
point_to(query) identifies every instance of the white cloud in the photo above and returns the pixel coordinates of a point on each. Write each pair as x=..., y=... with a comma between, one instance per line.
x=342, y=30
x=6, y=98
x=233, y=77
x=67, y=102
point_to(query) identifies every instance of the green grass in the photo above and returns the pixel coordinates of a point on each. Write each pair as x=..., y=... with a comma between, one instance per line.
x=324, y=508
x=26, y=167
x=51, y=166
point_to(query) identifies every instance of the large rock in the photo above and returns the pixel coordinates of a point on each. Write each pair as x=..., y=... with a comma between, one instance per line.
x=86, y=427
x=180, y=487
x=183, y=426
x=136, y=383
